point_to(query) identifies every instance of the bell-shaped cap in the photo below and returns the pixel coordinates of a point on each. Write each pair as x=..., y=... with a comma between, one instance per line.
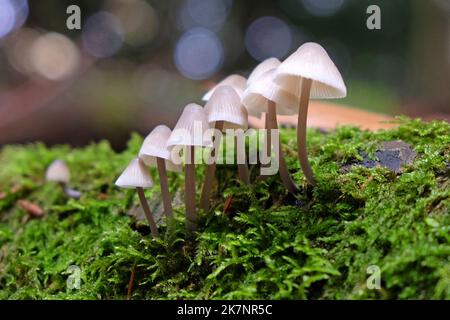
x=134, y=176
x=263, y=90
x=154, y=146
x=190, y=128
x=262, y=68
x=225, y=105
x=311, y=61
x=58, y=171
x=237, y=82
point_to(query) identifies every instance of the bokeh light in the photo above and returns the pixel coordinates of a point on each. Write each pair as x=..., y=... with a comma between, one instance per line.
x=103, y=34
x=198, y=53
x=210, y=14
x=54, y=56
x=323, y=8
x=13, y=14
x=18, y=47
x=139, y=20
x=268, y=37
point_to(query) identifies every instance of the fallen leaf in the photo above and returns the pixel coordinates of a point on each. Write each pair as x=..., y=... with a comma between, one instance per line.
x=102, y=196
x=31, y=208
x=227, y=204
x=16, y=188
x=2, y=195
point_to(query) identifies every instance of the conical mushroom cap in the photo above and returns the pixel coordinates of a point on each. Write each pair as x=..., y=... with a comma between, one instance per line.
x=311, y=61
x=190, y=128
x=154, y=146
x=263, y=90
x=237, y=82
x=58, y=171
x=262, y=68
x=134, y=176
x=225, y=105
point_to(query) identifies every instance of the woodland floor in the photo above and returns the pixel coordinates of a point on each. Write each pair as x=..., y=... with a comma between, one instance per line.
x=381, y=199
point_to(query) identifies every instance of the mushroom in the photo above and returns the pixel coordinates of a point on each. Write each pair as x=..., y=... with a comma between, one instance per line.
x=225, y=111
x=189, y=133
x=266, y=65
x=263, y=95
x=155, y=153
x=309, y=73
x=136, y=176
x=58, y=172
x=237, y=82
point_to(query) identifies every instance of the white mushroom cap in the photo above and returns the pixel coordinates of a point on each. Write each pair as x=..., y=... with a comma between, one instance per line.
x=58, y=171
x=262, y=68
x=134, y=176
x=311, y=61
x=154, y=146
x=237, y=82
x=263, y=90
x=190, y=128
x=225, y=105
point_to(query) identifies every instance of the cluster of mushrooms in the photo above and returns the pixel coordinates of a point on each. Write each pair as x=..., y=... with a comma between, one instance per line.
x=273, y=87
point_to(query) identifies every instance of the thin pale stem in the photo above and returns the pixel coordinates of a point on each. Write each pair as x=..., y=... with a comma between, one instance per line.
x=283, y=170
x=161, y=164
x=244, y=175
x=189, y=189
x=210, y=170
x=301, y=131
x=147, y=211
x=268, y=142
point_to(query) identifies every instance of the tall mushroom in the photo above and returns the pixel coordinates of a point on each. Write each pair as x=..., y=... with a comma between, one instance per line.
x=263, y=95
x=136, y=176
x=189, y=133
x=59, y=172
x=225, y=111
x=237, y=82
x=155, y=153
x=309, y=73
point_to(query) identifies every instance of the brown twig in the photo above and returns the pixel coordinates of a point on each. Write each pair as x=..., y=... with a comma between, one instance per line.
x=131, y=282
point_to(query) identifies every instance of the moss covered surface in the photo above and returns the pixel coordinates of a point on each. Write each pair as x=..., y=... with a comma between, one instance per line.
x=267, y=245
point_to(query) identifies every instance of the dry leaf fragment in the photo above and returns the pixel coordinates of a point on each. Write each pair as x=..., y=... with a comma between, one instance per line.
x=31, y=208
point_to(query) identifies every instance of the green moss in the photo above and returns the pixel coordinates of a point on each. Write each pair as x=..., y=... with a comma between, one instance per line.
x=268, y=244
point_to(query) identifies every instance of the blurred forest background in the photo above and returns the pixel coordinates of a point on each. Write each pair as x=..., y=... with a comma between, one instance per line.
x=136, y=63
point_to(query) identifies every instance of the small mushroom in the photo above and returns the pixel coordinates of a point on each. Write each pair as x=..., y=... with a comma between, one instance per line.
x=225, y=111
x=155, y=153
x=266, y=65
x=189, y=133
x=237, y=82
x=309, y=73
x=136, y=176
x=58, y=172
x=261, y=96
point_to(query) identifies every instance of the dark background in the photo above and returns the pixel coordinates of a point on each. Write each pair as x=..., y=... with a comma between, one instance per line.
x=134, y=65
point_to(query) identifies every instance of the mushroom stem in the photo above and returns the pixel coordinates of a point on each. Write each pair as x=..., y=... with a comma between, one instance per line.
x=242, y=167
x=189, y=189
x=160, y=162
x=301, y=130
x=210, y=170
x=268, y=141
x=283, y=170
x=71, y=193
x=147, y=211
